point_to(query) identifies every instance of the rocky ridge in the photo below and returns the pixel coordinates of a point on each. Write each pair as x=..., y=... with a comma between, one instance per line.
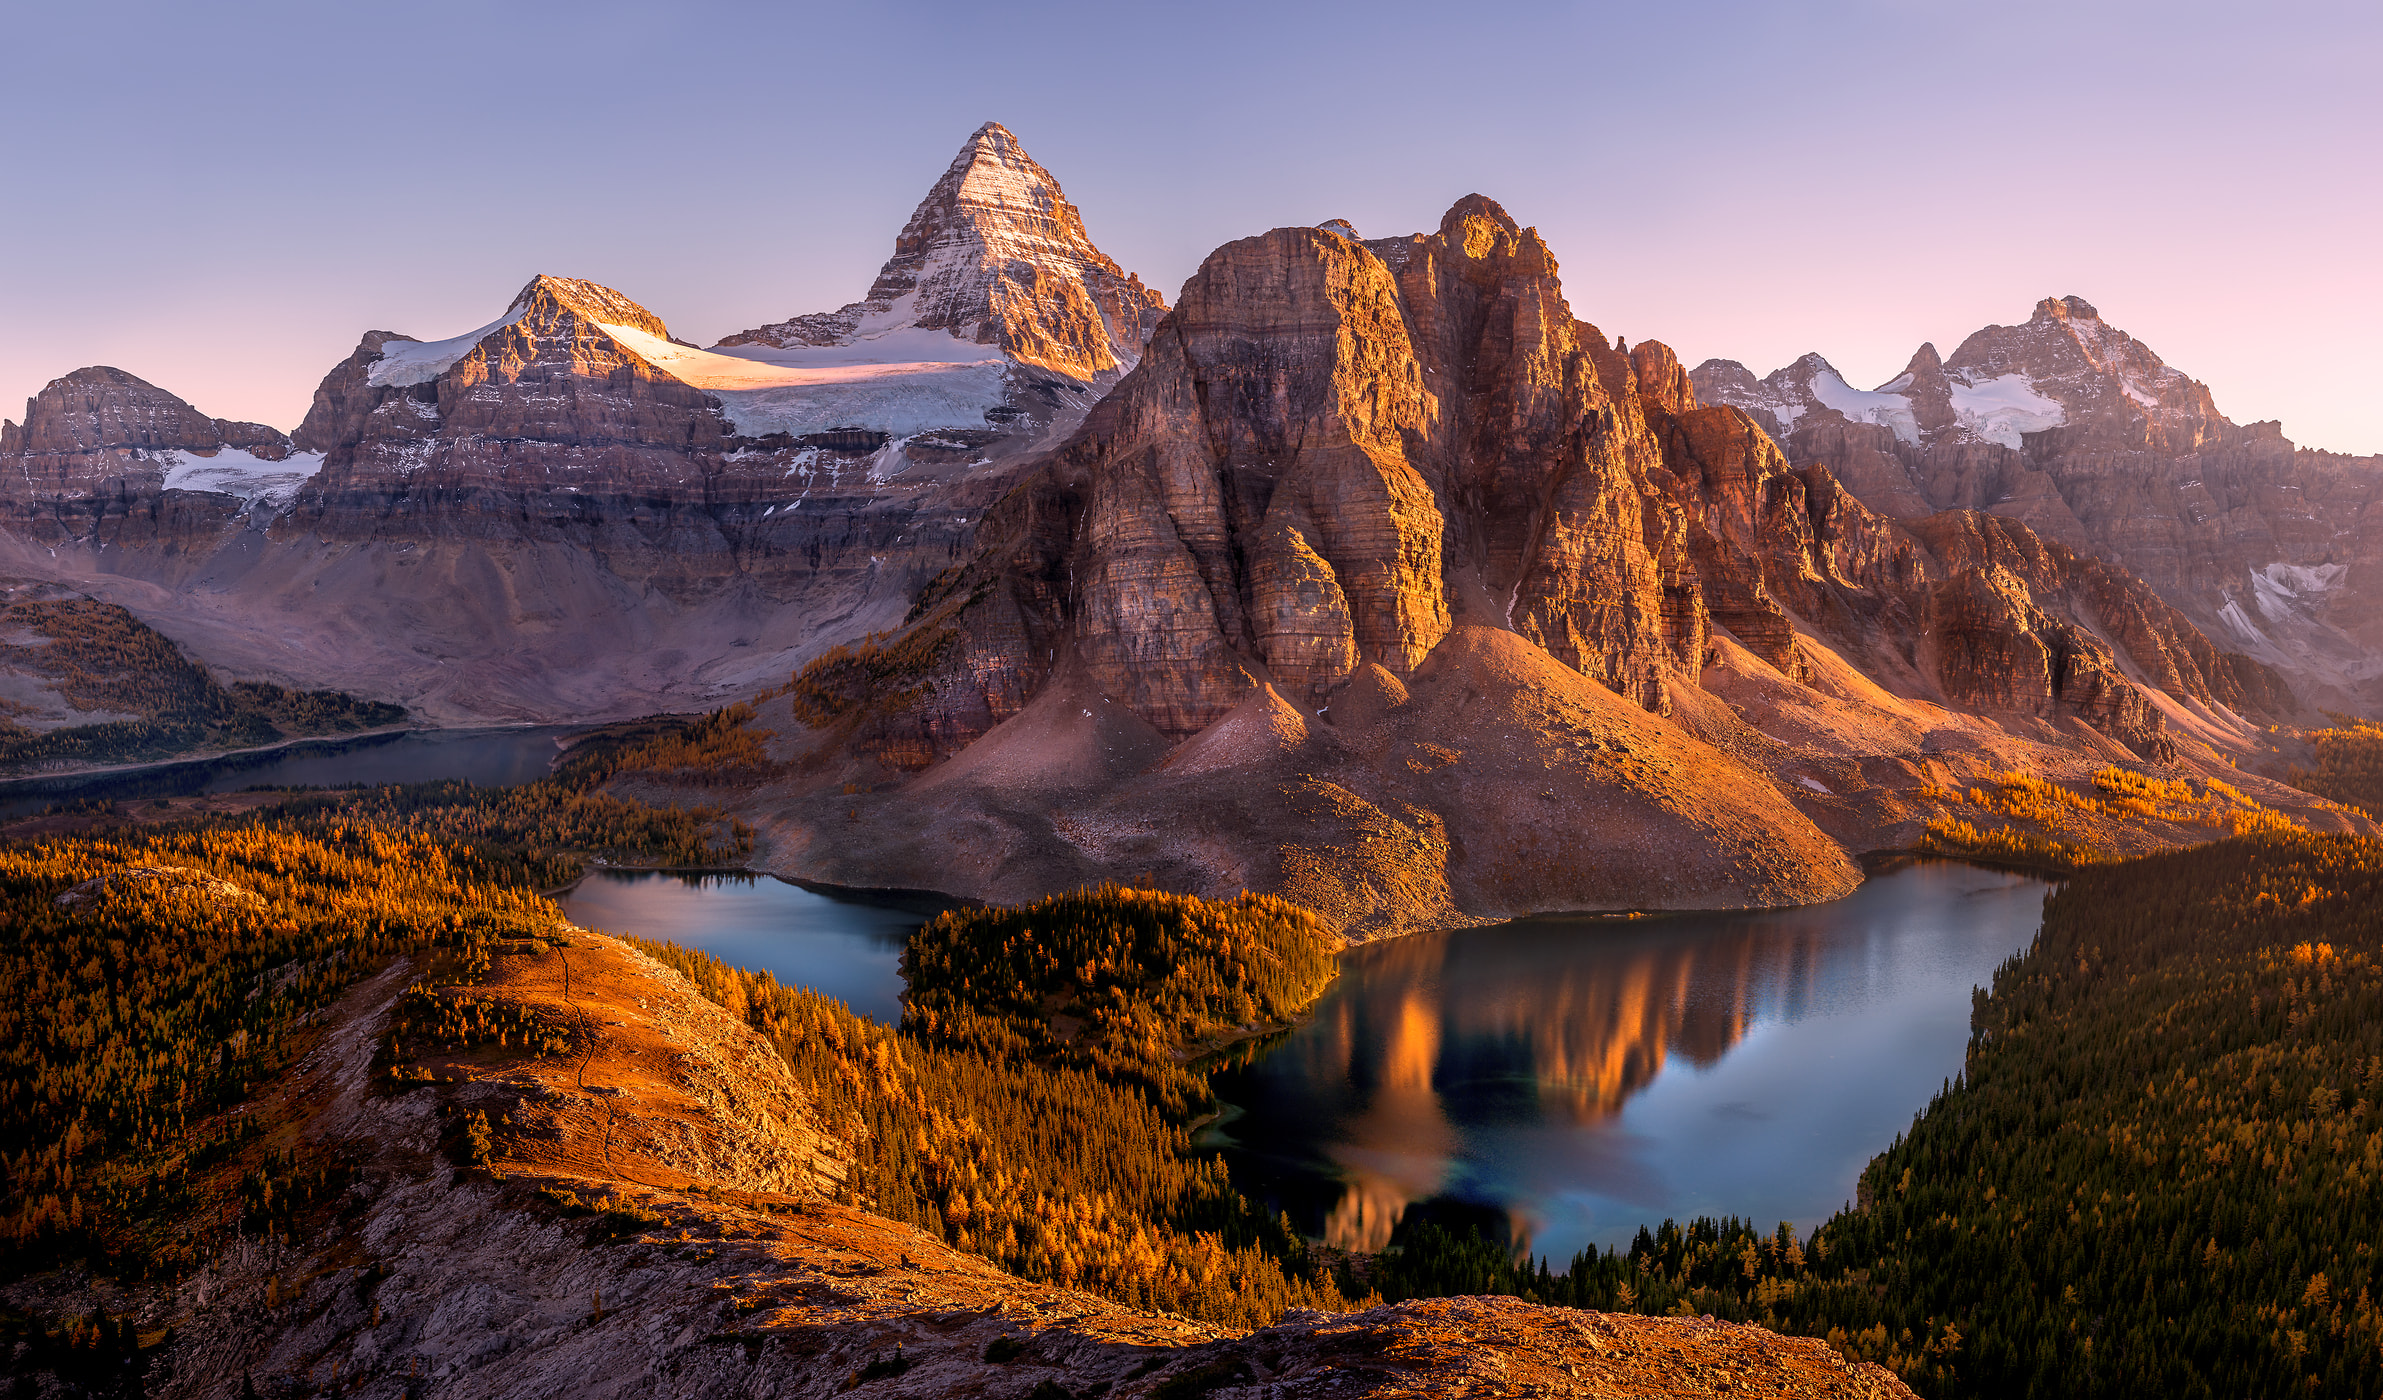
x=734, y=1271
x=2082, y=432
x=1381, y=566
x=103, y=452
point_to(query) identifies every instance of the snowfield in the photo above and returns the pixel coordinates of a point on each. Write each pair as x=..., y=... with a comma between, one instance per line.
x=809, y=389
x=1889, y=410
x=234, y=472
x=405, y=362
x=2001, y=408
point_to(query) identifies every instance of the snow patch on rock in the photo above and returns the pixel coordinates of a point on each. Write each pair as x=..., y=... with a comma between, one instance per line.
x=1888, y=410
x=405, y=362
x=1999, y=408
x=235, y=472
x=810, y=389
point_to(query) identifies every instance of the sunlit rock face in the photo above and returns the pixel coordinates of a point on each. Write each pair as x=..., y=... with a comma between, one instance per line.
x=1385, y=582
x=1336, y=450
x=2081, y=432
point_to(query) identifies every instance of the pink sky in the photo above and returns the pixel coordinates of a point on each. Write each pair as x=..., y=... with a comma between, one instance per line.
x=222, y=205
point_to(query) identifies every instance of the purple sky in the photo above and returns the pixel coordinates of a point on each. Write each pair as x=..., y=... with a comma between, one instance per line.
x=222, y=198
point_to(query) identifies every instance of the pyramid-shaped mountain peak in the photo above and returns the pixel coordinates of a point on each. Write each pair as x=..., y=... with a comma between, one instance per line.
x=592, y=300
x=995, y=255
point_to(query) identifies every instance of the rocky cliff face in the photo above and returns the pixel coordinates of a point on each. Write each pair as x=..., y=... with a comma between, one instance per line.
x=100, y=450
x=1376, y=521
x=2081, y=432
x=1337, y=451
x=568, y=513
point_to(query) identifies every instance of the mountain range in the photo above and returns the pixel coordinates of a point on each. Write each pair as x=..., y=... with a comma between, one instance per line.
x=568, y=511
x=2082, y=432
x=1368, y=572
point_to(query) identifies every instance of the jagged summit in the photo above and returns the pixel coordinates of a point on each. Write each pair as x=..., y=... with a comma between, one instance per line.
x=994, y=256
x=2063, y=367
x=2067, y=354
x=2072, y=425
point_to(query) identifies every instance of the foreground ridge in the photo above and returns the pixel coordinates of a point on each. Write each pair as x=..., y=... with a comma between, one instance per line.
x=691, y=1248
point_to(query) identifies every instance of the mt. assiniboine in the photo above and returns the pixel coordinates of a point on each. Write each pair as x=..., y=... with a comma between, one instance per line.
x=567, y=512
x=1370, y=552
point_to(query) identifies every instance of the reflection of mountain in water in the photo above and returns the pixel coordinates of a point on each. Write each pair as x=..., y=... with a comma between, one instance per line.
x=1577, y=1076
x=1577, y=1039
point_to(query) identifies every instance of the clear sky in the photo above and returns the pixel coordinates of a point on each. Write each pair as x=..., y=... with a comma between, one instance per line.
x=222, y=197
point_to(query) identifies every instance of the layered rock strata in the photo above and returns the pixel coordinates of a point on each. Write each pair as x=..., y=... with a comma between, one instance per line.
x=103, y=454
x=1380, y=533
x=1336, y=452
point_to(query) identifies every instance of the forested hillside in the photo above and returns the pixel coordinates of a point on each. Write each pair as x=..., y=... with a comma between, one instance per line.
x=159, y=977
x=1032, y=1107
x=99, y=658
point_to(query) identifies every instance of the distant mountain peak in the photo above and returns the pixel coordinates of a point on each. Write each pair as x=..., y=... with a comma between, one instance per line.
x=993, y=256
x=100, y=408
x=2064, y=367
x=2064, y=309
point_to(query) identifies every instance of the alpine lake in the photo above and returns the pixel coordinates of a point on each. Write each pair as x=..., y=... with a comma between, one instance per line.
x=1564, y=1079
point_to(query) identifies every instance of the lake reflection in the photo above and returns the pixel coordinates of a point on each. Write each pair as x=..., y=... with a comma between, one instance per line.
x=1580, y=1077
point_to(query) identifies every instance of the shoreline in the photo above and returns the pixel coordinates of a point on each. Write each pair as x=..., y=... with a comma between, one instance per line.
x=123, y=770
x=9, y=780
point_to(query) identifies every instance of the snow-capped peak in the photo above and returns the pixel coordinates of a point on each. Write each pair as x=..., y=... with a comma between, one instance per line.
x=993, y=256
x=2065, y=365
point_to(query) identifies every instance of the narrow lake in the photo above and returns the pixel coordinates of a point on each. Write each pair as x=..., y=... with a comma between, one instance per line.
x=488, y=757
x=1571, y=1079
x=843, y=944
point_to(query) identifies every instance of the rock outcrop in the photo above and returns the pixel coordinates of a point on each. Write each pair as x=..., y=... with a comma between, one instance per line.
x=1374, y=520
x=2081, y=432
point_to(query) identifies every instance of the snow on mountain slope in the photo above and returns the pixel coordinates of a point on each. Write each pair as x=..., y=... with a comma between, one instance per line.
x=1999, y=408
x=407, y=362
x=1889, y=410
x=835, y=387
x=994, y=256
x=2064, y=365
x=236, y=472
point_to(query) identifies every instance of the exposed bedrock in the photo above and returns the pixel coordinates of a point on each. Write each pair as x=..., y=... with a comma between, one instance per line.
x=1343, y=465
